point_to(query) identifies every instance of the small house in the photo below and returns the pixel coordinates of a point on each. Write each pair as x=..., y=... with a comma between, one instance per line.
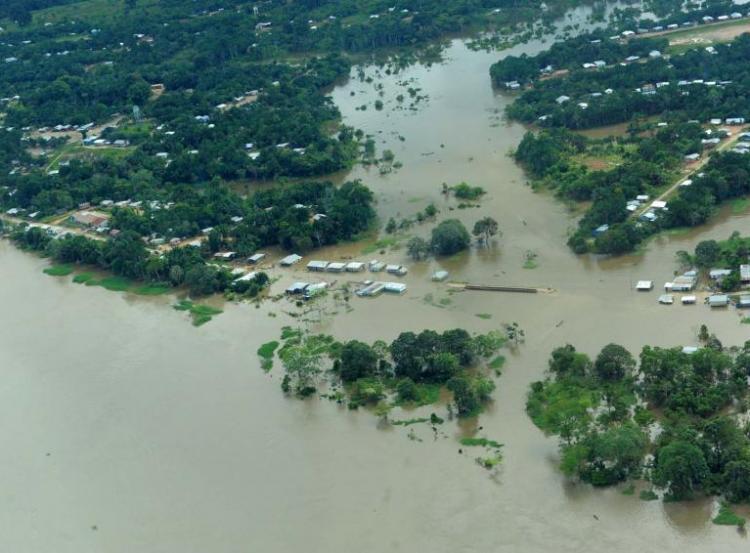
x=336, y=267
x=644, y=285
x=600, y=230
x=683, y=283
x=290, y=260
x=297, y=288
x=666, y=299
x=256, y=258
x=688, y=300
x=719, y=274
x=396, y=270
x=315, y=289
x=743, y=302
x=376, y=266
x=394, y=287
x=371, y=290
x=439, y=276
x=689, y=349
x=718, y=300
x=355, y=267
x=317, y=265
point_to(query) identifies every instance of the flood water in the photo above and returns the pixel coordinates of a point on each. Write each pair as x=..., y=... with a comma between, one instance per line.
x=126, y=429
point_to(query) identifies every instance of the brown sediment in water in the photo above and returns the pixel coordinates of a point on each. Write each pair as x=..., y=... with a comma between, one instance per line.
x=171, y=438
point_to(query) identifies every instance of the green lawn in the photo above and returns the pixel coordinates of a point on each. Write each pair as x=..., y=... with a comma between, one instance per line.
x=201, y=314
x=59, y=270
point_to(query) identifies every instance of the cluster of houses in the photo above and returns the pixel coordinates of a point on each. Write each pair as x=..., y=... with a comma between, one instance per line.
x=373, y=266
x=686, y=283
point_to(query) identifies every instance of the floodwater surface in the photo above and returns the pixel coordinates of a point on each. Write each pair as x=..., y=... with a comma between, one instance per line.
x=126, y=429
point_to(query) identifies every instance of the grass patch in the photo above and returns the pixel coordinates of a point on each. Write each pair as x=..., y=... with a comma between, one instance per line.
x=201, y=314
x=83, y=278
x=740, y=206
x=497, y=363
x=745, y=320
x=152, y=290
x=630, y=490
x=485, y=316
x=288, y=333
x=427, y=394
x=480, y=442
x=727, y=517
x=115, y=284
x=490, y=462
x=266, y=352
x=58, y=270
x=409, y=422
x=648, y=495
x=383, y=244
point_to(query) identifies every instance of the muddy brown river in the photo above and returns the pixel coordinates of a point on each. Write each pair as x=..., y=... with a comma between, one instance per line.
x=124, y=428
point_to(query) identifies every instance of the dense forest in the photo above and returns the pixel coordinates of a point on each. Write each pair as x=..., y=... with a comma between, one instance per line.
x=670, y=417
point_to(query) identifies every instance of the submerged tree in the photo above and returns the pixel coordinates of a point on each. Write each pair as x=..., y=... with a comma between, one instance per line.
x=484, y=229
x=418, y=248
x=450, y=237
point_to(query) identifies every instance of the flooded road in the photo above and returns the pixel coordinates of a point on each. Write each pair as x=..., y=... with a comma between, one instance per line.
x=126, y=429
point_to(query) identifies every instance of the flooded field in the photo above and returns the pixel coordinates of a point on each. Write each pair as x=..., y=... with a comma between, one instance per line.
x=127, y=429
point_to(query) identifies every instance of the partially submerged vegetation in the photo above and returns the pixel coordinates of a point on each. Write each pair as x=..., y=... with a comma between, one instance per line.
x=673, y=418
x=200, y=314
x=413, y=370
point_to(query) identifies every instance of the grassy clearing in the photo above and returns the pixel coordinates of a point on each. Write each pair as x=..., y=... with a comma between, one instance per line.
x=485, y=316
x=83, y=278
x=201, y=314
x=727, y=517
x=648, y=495
x=480, y=442
x=630, y=490
x=58, y=270
x=745, y=320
